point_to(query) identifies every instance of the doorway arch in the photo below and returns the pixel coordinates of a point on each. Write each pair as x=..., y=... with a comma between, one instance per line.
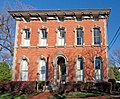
x=60, y=63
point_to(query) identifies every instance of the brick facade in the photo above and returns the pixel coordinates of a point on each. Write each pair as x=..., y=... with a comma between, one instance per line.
x=88, y=51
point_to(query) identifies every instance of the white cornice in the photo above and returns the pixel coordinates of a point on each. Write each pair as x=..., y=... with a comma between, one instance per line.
x=66, y=14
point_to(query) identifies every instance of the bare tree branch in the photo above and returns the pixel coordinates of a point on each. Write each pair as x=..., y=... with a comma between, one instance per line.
x=7, y=27
x=115, y=57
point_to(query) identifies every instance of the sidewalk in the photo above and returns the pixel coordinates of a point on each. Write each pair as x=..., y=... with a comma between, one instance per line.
x=44, y=95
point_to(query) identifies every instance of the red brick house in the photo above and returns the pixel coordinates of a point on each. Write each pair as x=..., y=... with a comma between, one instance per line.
x=60, y=45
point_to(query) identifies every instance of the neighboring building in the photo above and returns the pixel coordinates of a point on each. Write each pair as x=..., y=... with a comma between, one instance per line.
x=60, y=45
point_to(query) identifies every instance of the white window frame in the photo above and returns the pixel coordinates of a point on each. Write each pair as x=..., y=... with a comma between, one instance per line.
x=58, y=37
x=25, y=71
x=99, y=71
x=43, y=42
x=25, y=42
x=82, y=42
x=93, y=42
x=79, y=71
x=42, y=77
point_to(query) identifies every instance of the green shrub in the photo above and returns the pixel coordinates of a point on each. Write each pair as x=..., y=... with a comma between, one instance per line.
x=117, y=86
x=41, y=84
x=113, y=83
x=69, y=87
x=18, y=87
x=5, y=72
x=88, y=86
x=79, y=86
x=104, y=86
x=12, y=96
x=74, y=86
x=83, y=95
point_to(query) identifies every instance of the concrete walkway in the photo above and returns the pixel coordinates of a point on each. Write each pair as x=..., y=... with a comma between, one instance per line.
x=44, y=95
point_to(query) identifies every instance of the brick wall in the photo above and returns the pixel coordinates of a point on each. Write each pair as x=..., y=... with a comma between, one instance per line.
x=87, y=51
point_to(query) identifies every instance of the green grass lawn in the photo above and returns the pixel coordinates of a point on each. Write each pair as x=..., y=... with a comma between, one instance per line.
x=78, y=95
x=12, y=96
x=84, y=94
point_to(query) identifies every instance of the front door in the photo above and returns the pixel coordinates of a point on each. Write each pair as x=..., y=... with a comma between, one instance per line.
x=61, y=69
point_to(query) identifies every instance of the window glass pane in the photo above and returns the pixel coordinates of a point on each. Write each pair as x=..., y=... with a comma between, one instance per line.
x=62, y=33
x=24, y=65
x=98, y=74
x=43, y=37
x=42, y=70
x=79, y=37
x=80, y=69
x=61, y=37
x=43, y=65
x=98, y=67
x=27, y=34
x=80, y=63
x=43, y=34
x=24, y=76
x=24, y=70
x=97, y=36
x=79, y=32
x=79, y=41
x=98, y=63
x=96, y=32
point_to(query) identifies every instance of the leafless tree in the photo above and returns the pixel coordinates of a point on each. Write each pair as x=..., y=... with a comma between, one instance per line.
x=6, y=57
x=115, y=57
x=6, y=33
x=7, y=27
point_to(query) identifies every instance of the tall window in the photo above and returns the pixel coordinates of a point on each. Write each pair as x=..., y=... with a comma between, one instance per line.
x=24, y=70
x=97, y=36
x=79, y=36
x=98, y=68
x=43, y=37
x=42, y=70
x=61, y=37
x=80, y=69
x=26, y=37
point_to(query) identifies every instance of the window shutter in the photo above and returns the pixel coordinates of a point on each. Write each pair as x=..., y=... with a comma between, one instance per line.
x=23, y=37
x=41, y=34
x=24, y=65
x=78, y=64
x=80, y=70
x=24, y=70
x=58, y=36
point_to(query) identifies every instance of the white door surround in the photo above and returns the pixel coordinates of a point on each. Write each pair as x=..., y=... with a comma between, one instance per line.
x=60, y=62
